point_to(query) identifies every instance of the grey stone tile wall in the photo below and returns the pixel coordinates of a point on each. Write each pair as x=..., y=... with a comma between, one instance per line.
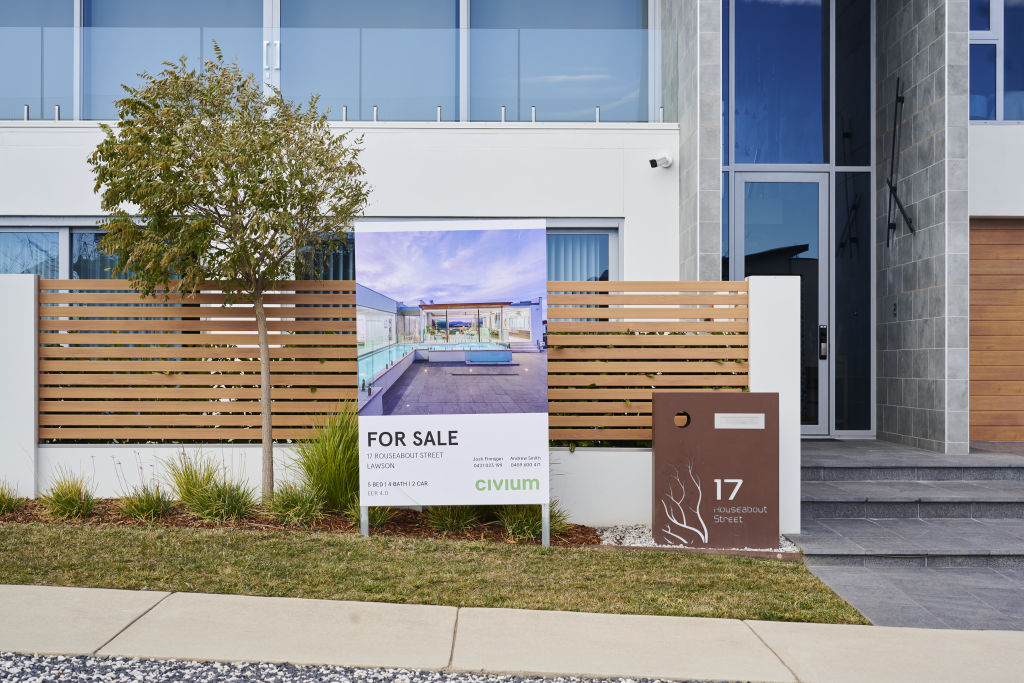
x=692, y=95
x=922, y=285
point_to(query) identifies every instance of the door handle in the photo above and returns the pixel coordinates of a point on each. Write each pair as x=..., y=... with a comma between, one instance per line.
x=822, y=342
x=266, y=55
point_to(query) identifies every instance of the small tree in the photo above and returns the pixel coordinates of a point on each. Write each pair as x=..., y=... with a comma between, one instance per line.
x=207, y=177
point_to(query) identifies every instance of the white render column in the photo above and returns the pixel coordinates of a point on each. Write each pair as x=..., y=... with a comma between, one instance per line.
x=19, y=381
x=775, y=367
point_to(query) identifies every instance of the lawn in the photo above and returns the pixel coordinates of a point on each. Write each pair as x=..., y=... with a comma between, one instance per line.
x=345, y=566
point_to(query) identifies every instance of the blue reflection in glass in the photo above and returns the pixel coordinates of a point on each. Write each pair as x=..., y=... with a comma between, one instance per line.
x=1013, y=62
x=401, y=55
x=36, y=47
x=980, y=19
x=124, y=37
x=983, y=82
x=852, y=337
x=563, y=57
x=725, y=226
x=725, y=83
x=781, y=66
x=88, y=261
x=29, y=253
x=853, y=83
x=577, y=257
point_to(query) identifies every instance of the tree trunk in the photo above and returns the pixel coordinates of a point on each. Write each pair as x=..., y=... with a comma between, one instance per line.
x=267, y=434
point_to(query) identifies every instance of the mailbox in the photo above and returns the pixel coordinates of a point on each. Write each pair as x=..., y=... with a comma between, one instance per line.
x=716, y=469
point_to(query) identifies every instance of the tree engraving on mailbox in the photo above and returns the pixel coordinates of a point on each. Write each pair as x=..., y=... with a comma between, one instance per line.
x=716, y=472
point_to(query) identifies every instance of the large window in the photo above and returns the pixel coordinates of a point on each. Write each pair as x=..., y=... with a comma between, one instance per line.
x=997, y=60
x=55, y=252
x=36, y=50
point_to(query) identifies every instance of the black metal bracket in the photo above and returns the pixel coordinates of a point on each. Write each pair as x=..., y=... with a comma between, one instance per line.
x=894, y=169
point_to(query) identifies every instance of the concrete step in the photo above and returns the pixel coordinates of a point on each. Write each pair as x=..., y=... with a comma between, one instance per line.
x=939, y=543
x=874, y=461
x=904, y=499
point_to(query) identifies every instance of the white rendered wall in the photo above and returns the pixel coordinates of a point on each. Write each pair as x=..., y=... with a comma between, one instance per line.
x=995, y=169
x=452, y=170
x=603, y=486
x=18, y=382
x=775, y=367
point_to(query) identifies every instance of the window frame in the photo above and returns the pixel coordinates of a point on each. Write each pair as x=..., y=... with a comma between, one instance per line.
x=993, y=36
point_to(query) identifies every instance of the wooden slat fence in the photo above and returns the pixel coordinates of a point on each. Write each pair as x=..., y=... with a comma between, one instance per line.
x=612, y=344
x=113, y=366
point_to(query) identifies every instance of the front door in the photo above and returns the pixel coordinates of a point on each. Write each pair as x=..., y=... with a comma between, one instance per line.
x=781, y=228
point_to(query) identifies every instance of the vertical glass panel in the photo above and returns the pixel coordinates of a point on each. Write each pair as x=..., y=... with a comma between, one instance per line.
x=37, y=51
x=124, y=37
x=782, y=83
x=577, y=257
x=563, y=57
x=853, y=83
x=780, y=235
x=1013, y=60
x=30, y=253
x=851, y=346
x=983, y=82
x=725, y=226
x=88, y=261
x=980, y=15
x=335, y=265
x=401, y=55
x=725, y=83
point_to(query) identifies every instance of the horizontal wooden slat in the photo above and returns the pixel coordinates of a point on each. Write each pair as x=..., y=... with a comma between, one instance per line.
x=996, y=388
x=94, y=298
x=659, y=340
x=326, y=352
x=620, y=313
x=1005, y=328
x=996, y=342
x=170, y=433
x=599, y=434
x=180, y=420
x=298, y=285
x=641, y=407
x=1008, y=234
x=198, y=325
x=666, y=326
x=996, y=418
x=645, y=286
x=209, y=366
x=1000, y=372
x=645, y=352
x=648, y=299
x=997, y=251
x=646, y=366
x=200, y=339
x=997, y=282
x=599, y=420
x=980, y=267
x=197, y=379
x=638, y=394
x=982, y=313
x=980, y=433
x=166, y=406
x=1011, y=356
x=213, y=394
x=234, y=312
x=644, y=381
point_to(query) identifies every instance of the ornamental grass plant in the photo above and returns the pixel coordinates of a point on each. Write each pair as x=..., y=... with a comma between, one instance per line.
x=297, y=505
x=70, y=496
x=147, y=502
x=208, y=493
x=329, y=462
x=452, y=518
x=524, y=522
x=10, y=501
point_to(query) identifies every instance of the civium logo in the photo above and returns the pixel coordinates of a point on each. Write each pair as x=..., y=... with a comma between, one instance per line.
x=507, y=484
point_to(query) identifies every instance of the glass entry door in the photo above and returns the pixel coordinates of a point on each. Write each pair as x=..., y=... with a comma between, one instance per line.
x=781, y=227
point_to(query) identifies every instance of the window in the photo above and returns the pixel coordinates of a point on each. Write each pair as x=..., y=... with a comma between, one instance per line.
x=36, y=49
x=55, y=252
x=997, y=60
x=30, y=253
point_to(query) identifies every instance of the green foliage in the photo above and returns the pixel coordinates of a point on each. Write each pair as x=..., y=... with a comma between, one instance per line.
x=329, y=462
x=379, y=516
x=69, y=496
x=452, y=517
x=147, y=502
x=523, y=522
x=297, y=505
x=207, y=177
x=10, y=501
x=207, y=493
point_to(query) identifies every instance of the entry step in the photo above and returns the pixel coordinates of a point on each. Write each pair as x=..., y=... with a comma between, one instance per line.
x=899, y=491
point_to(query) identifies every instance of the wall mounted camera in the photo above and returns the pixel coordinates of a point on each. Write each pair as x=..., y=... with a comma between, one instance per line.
x=664, y=161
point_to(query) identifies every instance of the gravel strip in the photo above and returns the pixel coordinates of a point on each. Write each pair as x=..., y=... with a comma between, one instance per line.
x=38, y=669
x=640, y=535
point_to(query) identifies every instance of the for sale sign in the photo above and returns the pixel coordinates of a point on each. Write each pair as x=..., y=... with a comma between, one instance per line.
x=452, y=366
x=716, y=469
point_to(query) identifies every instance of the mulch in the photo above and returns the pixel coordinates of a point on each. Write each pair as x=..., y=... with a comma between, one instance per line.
x=409, y=523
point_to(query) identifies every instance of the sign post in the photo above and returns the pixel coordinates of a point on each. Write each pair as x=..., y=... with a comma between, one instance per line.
x=716, y=469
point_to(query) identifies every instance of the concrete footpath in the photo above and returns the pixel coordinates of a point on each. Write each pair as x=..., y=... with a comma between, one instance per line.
x=149, y=624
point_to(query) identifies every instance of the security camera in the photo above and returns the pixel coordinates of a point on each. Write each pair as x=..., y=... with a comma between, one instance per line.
x=664, y=161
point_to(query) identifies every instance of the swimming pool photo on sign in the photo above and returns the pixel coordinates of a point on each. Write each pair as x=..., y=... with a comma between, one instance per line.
x=451, y=322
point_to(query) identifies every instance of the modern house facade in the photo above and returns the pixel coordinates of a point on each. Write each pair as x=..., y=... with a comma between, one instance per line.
x=656, y=139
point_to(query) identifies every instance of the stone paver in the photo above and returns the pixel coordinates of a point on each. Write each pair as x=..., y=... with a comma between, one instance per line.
x=239, y=627
x=56, y=620
x=612, y=645
x=830, y=653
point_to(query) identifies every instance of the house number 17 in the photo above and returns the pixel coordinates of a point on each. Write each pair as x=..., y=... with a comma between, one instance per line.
x=737, y=483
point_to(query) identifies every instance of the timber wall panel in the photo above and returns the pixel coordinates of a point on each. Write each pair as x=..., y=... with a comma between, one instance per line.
x=997, y=330
x=114, y=366
x=612, y=344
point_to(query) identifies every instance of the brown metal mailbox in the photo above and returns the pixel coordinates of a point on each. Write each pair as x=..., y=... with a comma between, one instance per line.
x=716, y=469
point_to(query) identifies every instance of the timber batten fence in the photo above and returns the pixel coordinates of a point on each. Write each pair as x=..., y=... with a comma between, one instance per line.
x=116, y=367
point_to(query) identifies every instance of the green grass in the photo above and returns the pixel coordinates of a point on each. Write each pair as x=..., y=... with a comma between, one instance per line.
x=207, y=493
x=452, y=518
x=69, y=496
x=9, y=498
x=147, y=502
x=329, y=462
x=297, y=505
x=525, y=522
x=415, y=570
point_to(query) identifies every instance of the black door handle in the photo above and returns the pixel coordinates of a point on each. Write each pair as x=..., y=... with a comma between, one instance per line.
x=822, y=342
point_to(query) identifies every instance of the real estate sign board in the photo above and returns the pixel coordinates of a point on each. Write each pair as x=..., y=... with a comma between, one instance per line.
x=451, y=362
